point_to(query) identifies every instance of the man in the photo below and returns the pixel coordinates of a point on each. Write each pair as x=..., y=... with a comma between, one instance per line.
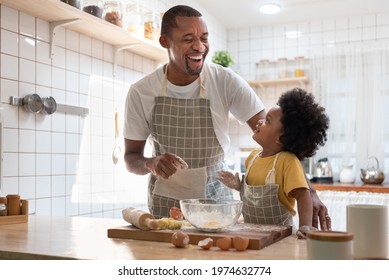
x=184, y=107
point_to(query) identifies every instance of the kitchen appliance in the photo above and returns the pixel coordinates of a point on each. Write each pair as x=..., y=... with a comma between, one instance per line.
x=322, y=172
x=372, y=174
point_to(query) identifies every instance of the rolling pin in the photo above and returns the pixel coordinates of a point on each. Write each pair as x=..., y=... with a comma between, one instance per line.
x=140, y=219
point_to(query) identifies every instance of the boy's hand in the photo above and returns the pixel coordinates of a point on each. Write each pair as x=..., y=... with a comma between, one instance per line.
x=229, y=179
x=302, y=231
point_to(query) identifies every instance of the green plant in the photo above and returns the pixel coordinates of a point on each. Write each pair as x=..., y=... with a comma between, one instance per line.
x=223, y=58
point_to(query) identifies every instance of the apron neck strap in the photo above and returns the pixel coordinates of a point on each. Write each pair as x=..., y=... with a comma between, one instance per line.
x=164, y=85
x=271, y=175
x=270, y=178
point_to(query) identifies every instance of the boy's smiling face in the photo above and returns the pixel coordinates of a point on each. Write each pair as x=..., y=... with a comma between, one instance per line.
x=269, y=130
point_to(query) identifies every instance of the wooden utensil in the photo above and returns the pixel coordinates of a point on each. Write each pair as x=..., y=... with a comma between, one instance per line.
x=116, y=150
x=140, y=219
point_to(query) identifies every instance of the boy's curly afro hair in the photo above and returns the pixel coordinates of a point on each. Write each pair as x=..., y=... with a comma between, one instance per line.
x=304, y=123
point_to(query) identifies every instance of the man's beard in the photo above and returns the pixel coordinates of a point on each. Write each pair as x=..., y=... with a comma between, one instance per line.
x=193, y=72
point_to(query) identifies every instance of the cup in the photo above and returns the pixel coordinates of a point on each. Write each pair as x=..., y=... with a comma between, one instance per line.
x=329, y=245
x=369, y=224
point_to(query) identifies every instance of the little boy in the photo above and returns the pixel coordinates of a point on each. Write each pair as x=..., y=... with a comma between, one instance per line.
x=293, y=130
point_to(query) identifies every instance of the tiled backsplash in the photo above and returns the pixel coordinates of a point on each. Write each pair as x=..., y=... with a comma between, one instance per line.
x=62, y=163
x=250, y=45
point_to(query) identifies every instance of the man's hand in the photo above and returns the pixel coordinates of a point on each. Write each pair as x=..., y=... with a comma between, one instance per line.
x=165, y=165
x=320, y=213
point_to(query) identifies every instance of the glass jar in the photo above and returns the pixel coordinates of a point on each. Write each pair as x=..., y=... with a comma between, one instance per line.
x=94, y=7
x=282, y=68
x=299, y=69
x=149, y=25
x=157, y=27
x=113, y=12
x=133, y=19
x=74, y=3
x=263, y=70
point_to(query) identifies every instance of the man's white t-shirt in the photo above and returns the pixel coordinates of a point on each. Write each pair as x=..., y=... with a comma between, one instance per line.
x=225, y=89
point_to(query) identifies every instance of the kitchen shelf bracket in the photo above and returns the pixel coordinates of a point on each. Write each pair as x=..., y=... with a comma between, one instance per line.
x=53, y=27
x=117, y=49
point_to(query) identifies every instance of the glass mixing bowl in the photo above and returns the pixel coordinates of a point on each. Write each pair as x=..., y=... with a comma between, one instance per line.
x=211, y=215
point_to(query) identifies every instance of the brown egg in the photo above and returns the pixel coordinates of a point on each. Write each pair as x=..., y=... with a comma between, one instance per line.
x=206, y=243
x=224, y=243
x=175, y=213
x=180, y=239
x=240, y=243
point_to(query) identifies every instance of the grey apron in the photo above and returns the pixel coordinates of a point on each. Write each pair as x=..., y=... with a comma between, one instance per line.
x=184, y=127
x=261, y=204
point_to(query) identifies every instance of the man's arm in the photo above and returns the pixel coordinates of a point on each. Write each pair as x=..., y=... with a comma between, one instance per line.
x=253, y=121
x=134, y=158
x=320, y=211
x=164, y=165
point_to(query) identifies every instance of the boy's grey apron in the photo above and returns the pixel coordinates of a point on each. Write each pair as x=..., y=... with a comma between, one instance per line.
x=261, y=204
x=184, y=127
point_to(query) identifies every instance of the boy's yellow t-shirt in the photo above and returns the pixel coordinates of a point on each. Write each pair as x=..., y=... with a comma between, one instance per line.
x=289, y=175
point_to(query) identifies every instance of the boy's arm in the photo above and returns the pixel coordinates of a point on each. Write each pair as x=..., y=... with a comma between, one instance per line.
x=305, y=211
x=304, y=206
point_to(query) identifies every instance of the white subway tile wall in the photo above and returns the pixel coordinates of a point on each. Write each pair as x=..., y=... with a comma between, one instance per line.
x=249, y=46
x=62, y=163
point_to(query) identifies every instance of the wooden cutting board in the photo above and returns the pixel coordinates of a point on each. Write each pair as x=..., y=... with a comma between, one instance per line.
x=259, y=236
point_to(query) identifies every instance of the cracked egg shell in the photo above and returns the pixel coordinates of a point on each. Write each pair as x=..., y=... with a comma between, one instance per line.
x=206, y=243
x=175, y=213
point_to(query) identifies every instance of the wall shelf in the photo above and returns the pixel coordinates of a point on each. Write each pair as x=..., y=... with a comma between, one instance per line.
x=57, y=11
x=301, y=81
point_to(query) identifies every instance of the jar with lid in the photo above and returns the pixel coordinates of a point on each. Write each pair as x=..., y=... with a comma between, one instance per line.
x=157, y=27
x=263, y=70
x=330, y=245
x=74, y=3
x=113, y=12
x=282, y=68
x=150, y=25
x=3, y=206
x=133, y=19
x=299, y=69
x=94, y=7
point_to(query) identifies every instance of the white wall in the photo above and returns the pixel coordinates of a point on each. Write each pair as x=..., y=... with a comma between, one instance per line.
x=249, y=46
x=62, y=163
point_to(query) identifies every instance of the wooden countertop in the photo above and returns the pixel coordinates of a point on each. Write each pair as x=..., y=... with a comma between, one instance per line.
x=45, y=237
x=351, y=187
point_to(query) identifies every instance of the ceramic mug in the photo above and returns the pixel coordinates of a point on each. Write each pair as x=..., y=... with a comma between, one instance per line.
x=369, y=224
